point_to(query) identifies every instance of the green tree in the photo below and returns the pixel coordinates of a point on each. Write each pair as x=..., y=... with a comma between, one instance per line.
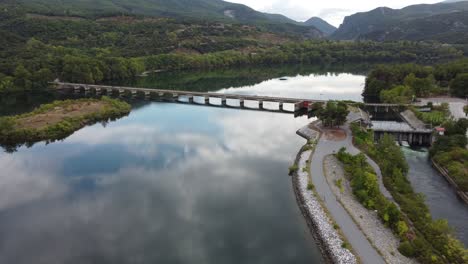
x=333, y=114
x=420, y=86
x=400, y=94
x=459, y=85
x=22, y=78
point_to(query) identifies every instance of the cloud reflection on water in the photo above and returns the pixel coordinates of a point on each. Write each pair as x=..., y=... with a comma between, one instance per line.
x=341, y=86
x=215, y=195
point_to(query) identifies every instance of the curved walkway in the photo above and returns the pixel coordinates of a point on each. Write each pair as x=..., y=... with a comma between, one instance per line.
x=356, y=238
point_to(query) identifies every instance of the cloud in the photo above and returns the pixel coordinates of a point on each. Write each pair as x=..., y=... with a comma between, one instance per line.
x=333, y=11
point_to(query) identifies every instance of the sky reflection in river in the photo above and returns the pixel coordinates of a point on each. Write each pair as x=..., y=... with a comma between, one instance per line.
x=343, y=86
x=168, y=184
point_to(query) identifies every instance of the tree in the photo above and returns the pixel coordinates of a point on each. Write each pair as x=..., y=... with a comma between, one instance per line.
x=333, y=114
x=459, y=85
x=6, y=84
x=421, y=86
x=400, y=94
x=22, y=78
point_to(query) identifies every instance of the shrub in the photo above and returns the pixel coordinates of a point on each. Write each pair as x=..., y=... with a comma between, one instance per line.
x=293, y=168
x=407, y=249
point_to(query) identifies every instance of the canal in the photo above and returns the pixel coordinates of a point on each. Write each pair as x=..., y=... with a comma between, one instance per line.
x=440, y=196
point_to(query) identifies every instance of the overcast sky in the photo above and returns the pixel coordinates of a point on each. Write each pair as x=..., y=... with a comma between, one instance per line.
x=333, y=11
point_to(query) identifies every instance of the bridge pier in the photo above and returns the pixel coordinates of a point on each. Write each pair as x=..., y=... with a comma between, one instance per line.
x=147, y=95
x=207, y=100
x=241, y=103
x=86, y=88
x=134, y=93
x=223, y=101
x=297, y=107
x=190, y=99
x=260, y=105
x=281, y=106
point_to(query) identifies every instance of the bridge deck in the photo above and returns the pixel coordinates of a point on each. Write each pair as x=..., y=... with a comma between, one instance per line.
x=192, y=93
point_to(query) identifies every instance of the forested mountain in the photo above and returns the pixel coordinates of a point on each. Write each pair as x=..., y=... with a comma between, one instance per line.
x=321, y=25
x=46, y=39
x=202, y=9
x=445, y=28
x=441, y=22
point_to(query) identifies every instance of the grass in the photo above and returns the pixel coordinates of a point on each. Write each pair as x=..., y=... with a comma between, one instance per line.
x=58, y=120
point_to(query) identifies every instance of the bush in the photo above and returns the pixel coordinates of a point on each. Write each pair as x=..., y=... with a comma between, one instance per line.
x=293, y=168
x=407, y=249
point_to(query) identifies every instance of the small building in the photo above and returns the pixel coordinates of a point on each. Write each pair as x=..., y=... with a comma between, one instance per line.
x=440, y=131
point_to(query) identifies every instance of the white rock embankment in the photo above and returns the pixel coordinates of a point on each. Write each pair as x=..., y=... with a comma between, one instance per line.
x=323, y=225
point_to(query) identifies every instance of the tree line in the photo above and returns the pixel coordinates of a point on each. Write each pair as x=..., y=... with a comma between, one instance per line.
x=32, y=66
x=402, y=82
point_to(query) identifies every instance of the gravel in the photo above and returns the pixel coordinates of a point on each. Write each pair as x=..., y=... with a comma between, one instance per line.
x=380, y=236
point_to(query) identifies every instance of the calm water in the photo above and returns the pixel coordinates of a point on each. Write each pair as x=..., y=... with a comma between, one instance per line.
x=170, y=183
x=441, y=198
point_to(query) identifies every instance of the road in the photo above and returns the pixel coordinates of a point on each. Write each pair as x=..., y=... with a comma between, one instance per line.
x=455, y=105
x=356, y=238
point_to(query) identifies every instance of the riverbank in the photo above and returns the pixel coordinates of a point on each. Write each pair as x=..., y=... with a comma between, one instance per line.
x=462, y=195
x=333, y=247
x=432, y=240
x=58, y=120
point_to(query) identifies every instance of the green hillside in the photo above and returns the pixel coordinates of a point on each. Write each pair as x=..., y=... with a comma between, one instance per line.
x=202, y=9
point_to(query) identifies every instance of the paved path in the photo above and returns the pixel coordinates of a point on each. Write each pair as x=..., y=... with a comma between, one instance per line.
x=455, y=105
x=356, y=238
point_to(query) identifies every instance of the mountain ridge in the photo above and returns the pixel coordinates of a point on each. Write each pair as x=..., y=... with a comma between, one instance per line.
x=321, y=25
x=384, y=19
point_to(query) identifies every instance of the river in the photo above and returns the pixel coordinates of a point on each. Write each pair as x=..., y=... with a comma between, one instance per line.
x=170, y=183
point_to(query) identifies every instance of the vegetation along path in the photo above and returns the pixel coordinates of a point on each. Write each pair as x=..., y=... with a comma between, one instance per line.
x=328, y=144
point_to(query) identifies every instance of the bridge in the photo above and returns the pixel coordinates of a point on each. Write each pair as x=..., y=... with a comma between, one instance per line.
x=404, y=131
x=300, y=104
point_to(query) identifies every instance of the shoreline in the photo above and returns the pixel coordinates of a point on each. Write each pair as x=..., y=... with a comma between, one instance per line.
x=320, y=225
x=462, y=195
